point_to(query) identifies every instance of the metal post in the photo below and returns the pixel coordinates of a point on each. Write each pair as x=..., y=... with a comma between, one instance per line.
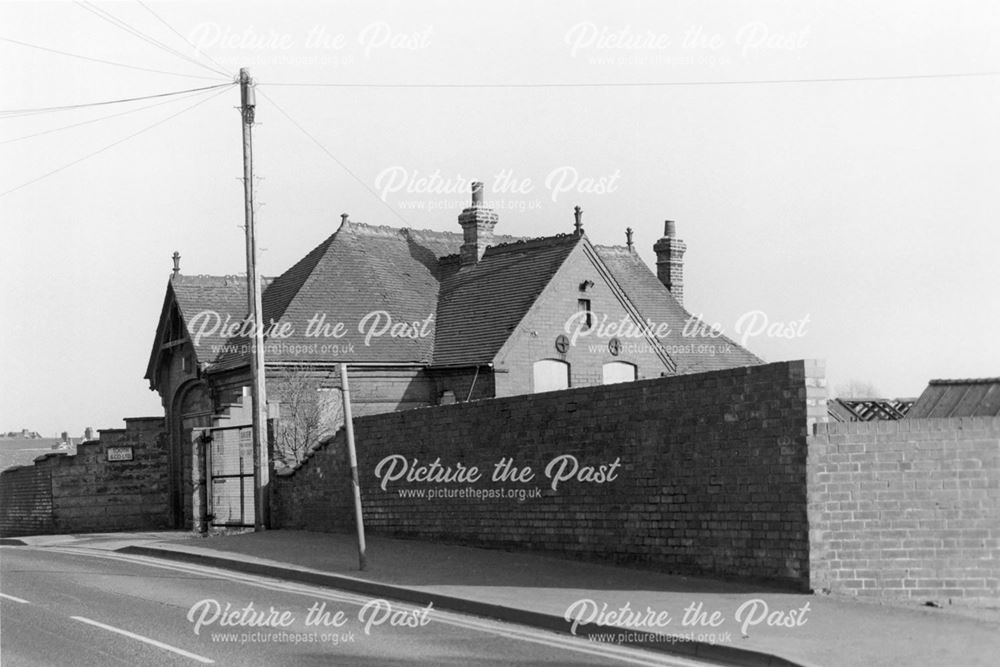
x=353, y=458
x=261, y=463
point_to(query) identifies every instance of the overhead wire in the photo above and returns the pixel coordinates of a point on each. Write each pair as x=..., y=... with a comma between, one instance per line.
x=637, y=84
x=97, y=120
x=186, y=40
x=332, y=156
x=111, y=145
x=114, y=20
x=106, y=62
x=14, y=113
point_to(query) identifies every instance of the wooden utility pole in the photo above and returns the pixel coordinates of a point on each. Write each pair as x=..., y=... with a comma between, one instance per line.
x=261, y=460
x=352, y=456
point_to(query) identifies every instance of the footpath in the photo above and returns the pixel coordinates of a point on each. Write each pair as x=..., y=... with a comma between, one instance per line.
x=752, y=625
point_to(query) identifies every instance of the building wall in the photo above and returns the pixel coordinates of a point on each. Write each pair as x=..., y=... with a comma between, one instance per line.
x=711, y=476
x=87, y=493
x=534, y=339
x=907, y=509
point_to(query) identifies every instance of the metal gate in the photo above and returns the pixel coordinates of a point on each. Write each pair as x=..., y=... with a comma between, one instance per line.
x=231, y=471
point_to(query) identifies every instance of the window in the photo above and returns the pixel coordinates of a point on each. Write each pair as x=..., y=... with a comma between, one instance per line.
x=619, y=371
x=550, y=375
x=583, y=306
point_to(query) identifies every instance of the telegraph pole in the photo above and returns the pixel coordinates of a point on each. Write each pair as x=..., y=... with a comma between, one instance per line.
x=262, y=463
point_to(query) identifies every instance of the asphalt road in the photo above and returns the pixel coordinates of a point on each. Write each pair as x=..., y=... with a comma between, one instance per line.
x=75, y=606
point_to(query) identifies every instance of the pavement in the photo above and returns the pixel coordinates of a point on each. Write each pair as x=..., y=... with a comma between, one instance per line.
x=725, y=622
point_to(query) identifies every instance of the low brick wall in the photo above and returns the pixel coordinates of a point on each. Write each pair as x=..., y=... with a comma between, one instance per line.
x=86, y=492
x=907, y=509
x=710, y=475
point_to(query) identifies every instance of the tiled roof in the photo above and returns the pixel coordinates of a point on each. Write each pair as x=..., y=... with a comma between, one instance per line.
x=480, y=305
x=692, y=354
x=361, y=271
x=225, y=295
x=413, y=274
x=958, y=398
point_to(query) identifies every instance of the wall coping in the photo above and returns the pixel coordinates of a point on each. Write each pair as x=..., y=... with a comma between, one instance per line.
x=906, y=425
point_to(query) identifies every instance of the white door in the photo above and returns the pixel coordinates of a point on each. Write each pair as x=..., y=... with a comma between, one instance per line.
x=619, y=371
x=550, y=375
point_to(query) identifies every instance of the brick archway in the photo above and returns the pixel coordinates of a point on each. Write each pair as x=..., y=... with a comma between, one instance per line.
x=191, y=408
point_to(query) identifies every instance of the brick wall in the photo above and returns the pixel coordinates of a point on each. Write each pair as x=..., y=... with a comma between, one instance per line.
x=87, y=493
x=907, y=509
x=711, y=476
x=535, y=336
x=26, y=500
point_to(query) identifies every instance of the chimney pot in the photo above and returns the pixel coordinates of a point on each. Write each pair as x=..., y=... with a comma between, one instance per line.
x=578, y=214
x=177, y=262
x=477, y=223
x=343, y=218
x=628, y=239
x=670, y=260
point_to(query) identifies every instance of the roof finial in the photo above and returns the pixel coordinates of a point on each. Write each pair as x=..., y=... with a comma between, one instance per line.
x=177, y=262
x=343, y=218
x=578, y=214
x=628, y=239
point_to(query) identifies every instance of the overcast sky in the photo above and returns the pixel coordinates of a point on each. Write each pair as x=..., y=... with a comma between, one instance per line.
x=863, y=211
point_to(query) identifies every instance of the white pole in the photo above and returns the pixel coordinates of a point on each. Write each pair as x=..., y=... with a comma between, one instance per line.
x=353, y=458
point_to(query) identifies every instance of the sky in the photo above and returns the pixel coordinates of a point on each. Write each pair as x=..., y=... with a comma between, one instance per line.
x=832, y=167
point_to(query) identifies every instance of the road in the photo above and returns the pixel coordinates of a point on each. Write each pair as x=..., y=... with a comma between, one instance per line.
x=78, y=606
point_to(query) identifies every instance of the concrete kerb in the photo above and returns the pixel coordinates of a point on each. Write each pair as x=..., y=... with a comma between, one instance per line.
x=723, y=655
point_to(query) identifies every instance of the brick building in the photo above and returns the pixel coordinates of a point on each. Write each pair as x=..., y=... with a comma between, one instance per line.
x=427, y=318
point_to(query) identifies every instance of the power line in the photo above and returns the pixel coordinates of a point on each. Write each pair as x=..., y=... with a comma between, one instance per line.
x=110, y=146
x=638, y=84
x=13, y=113
x=115, y=21
x=97, y=120
x=333, y=157
x=186, y=40
x=101, y=60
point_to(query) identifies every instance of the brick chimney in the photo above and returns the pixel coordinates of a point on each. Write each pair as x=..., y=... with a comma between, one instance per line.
x=670, y=260
x=477, y=227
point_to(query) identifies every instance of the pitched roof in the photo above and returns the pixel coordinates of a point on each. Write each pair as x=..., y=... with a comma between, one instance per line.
x=480, y=305
x=958, y=398
x=190, y=295
x=692, y=354
x=363, y=275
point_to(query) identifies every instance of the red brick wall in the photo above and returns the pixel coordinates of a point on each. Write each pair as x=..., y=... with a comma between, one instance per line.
x=711, y=478
x=87, y=493
x=534, y=339
x=907, y=509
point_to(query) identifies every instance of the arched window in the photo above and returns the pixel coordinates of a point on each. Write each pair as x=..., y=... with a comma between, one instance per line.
x=550, y=375
x=619, y=371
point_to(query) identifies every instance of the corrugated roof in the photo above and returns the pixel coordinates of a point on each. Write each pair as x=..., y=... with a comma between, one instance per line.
x=958, y=398
x=692, y=354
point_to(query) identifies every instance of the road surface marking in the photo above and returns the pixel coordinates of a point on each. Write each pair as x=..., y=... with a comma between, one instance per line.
x=11, y=597
x=151, y=642
x=629, y=654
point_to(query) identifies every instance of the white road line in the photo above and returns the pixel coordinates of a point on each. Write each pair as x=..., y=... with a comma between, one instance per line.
x=629, y=654
x=11, y=597
x=151, y=642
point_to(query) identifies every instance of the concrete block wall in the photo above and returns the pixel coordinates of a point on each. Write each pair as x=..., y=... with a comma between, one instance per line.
x=87, y=493
x=907, y=510
x=711, y=475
